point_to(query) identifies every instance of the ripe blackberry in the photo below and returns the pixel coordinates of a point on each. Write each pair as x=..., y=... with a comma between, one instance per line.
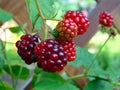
x=67, y=29
x=26, y=47
x=106, y=19
x=51, y=55
x=80, y=19
x=69, y=46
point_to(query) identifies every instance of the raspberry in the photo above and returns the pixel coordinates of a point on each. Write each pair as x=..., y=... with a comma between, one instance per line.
x=69, y=46
x=67, y=29
x=80, y=19
x=51, y=55
x=26, y=47
x=106, y=19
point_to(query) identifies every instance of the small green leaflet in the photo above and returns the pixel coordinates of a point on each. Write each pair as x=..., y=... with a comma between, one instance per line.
x=17, y=28
x=5, y=16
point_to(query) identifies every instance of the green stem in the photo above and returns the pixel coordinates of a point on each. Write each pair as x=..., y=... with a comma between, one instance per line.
x=44, y=20
x=116, y=28
x=20, y=71
x=45, y=31
x=39, y=10
x=93, y=61
x=9, y=66
x=41, y=15
x=76, y=76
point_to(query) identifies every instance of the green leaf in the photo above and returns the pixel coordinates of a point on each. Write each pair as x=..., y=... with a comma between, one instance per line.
x=48, y=7
x=33, y=13
x=16, y=71
x=54, y=85
x=55, y=33
x=2, y=55
x=17, y=28
x=98, y=84
x=5, y=86
x=83, y=57
x=5, y=16
x=47, y=75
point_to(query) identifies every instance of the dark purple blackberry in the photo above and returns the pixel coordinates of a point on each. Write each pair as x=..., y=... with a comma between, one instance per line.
x=26, y=47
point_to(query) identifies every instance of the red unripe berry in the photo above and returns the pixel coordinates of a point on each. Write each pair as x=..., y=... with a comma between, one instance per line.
x=67, y=29
x=106, y=19
x=80, y=19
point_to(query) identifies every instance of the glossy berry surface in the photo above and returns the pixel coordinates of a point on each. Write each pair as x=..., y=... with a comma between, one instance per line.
x=80, y=19
x=26, y=47
x=69, y=46
x=67, y=29
x=106, y=19
x=51, y=55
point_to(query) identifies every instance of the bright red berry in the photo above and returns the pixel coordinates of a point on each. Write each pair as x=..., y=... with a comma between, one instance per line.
x=67, y=29
x=106, y=19
x=26, y=47
x=51, y=55
x=69, y=46
x=80, y=19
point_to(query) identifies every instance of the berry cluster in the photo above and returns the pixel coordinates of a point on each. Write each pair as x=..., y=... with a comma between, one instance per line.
x=106, y=19
x=26, y=47
x=52, y=55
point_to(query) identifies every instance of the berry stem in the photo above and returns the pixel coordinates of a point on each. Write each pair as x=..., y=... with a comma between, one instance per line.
x=94, y=76
x=75, y=77
x=44, y=20
x=45, y=31
x=20, y=71
x=39, y=10
x=41, y=15
x=116, y=28
x=93, y=61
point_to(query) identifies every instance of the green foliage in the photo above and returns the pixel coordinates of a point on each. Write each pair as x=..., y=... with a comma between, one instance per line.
x=54, y=85
x=2, y=55
x=98, y=84
x=50, y=81
x=5, y=86
x=18, y=71
x=5, y=16
x=83, y=57
x=17, y=29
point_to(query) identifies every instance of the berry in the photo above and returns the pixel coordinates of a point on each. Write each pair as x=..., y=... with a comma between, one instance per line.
x=26, y=47
x=67, y=29
x=80, y=19
x=69, y=46
x=106, y=19
x=51, y=55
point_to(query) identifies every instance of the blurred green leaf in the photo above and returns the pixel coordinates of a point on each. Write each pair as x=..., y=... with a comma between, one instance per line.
x=54, y=85
x=16, y=69
x=98, y=84
x=5, y=16
x=41, y=75
x=17, y=28
x=5, y=86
